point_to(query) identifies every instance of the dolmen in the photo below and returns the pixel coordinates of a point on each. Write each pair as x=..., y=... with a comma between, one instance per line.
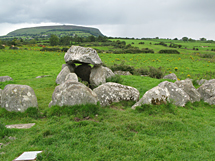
x=71, y=91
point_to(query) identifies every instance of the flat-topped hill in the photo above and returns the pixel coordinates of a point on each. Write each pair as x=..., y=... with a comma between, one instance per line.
x=61, y=30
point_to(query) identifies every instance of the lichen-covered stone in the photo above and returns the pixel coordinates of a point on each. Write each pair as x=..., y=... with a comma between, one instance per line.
x=78, y=54
x=5, y=78
x=114, y=92
x=72, y=76
x=170, y=76
x=99, y=75
x=177, y=95
x=62, y=75
x=188, y=87
x=18, y=97
x=72, y=93
x=119, y=72
x=155, y=96
x=207, y=91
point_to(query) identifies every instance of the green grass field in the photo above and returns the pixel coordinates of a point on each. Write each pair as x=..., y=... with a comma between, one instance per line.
x=116, y=132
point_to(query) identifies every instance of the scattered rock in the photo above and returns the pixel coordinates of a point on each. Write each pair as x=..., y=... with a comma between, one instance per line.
x=70, y=66
x=78, y=54
x=20, y=126
x=114, y=92
x=43, y=76
x=155, y=96
x=211, y=81
x=73, y=93
x=207, y=91
x=18, y=97
x=99, y=75
x=188, y=87
x=11, y=138
x=2, y=153
x=83, y=71
x=5, y=78
x=72, y=76
x=202, y=81
x=122, y=72
x=170, y=76
x=177, y=95
x=62, y=75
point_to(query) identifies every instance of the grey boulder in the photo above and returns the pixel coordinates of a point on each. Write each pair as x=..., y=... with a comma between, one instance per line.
x=119, y=72
x=202, y=81
x=155, y=96
x=170, y=76
x=73, y=93
x=70, y=66
x=62, y=75
x=5, y=78
x=18, y=97
x=114, y=92
x=99, y=75
x=207, y=91
x=72, y=76
x=78, y=54
x=177, y=95
x=188, y=87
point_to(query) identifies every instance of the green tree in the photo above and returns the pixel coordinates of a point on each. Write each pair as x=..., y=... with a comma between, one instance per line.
x=54, y=40
x=185, y=38
x=202, y=39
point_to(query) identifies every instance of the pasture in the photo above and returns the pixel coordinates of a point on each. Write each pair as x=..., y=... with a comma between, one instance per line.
x=116, y=132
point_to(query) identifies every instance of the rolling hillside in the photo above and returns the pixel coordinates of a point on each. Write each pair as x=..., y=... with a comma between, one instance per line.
x=63, y=30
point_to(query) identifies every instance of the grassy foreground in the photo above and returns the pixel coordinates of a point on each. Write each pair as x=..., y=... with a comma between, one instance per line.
x=116, y=132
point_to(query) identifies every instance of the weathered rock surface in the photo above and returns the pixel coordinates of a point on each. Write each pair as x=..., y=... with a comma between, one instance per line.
x=170, y=76
x=83, y=71
x=211, y=81
x=73, y=93
x=72, y=76
x=177, y=95
x=70, y=66
x=78, y=54
x=5, y=78
x=18, y=97
x=114, y=92
x=202, y=81
x=62, y=75
x=211, y=101
x=155, y=96
x=188, y=87
x=122, y=72
x=207, y=91
x=99, y=75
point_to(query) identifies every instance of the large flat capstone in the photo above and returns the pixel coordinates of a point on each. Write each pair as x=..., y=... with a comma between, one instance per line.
x=78, y=54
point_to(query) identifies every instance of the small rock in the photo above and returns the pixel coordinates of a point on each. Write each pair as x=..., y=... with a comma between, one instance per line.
x=42, y=76
x=5, y=78
x=72, y=76
x=122, y=72
x=62, y=75
x=170, y=76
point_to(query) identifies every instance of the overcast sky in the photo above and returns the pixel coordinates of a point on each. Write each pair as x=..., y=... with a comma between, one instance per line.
x=117, y=18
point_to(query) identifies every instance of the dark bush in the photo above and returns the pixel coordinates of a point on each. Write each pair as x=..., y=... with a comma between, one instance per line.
x=141, y=71
x=50, y=49
x=64, y=49
x=14, y=48
x=207, y=56
x=161, y=43
x=169, y=52
x=155, y=72
x=115, y=78
x=122, y=67
x=2, y=47
x=141, y=43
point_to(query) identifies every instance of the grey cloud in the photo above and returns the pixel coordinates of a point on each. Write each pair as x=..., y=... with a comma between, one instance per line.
x=132, y=18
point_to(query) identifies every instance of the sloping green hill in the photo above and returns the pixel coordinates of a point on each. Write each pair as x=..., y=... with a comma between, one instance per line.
x=61, y=30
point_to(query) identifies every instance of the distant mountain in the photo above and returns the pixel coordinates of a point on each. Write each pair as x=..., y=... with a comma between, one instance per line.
x=61, y=30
